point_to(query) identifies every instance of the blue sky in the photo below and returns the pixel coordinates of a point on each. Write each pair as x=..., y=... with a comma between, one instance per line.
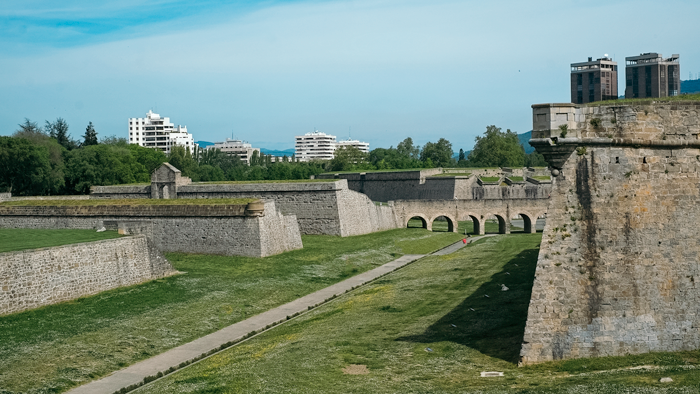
x=265, y=71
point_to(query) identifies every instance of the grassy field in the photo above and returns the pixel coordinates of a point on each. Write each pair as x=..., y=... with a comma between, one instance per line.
x=516, y=178
x=13, y=239
x=454, y=174
x=132, y=201
x=51, y=349
x=268, y=181
x=490, y=178
x=428, y=328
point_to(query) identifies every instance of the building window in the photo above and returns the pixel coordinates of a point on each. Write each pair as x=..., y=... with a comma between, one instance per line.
x=131, y=128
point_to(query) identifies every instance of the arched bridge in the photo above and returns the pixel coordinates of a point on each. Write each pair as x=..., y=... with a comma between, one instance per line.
x=476, y=210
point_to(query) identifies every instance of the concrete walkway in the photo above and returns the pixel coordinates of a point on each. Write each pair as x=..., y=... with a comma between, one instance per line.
x=150, y=369
x=459, y=245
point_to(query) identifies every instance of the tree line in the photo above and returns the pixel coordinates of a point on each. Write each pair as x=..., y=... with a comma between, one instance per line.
x=45, y=160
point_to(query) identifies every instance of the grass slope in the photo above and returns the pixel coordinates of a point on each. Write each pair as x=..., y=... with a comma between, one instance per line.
x=13, y=239
x=50, y=349
x=132, y=201
x=428, y=328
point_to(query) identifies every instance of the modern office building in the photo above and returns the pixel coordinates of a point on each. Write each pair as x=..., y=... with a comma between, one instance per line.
x=594, y=80
x=362, y=146
x=314, y=146
x=158, y=132
x=650, y=75
x=242, y=149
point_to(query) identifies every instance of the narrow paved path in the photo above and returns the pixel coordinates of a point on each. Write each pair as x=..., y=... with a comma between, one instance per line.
x=183, y=355
x=459, y=245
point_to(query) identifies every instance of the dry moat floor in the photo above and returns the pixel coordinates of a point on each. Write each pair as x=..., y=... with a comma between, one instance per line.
x=427, y=328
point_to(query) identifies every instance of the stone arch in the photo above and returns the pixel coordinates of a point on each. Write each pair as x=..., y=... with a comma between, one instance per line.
x=451, y=222
x=529, y=222
x=503, y=222
x=478, y=221
x=424, y=221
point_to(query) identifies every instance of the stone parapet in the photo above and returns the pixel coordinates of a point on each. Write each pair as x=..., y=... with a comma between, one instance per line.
x=38, y=277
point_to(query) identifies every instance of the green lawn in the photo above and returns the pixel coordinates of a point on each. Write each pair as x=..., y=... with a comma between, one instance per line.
x=132, y=201
x=454, y=174
x=268, y=181
x=51, y=349
x=490, y=178
x=427, y=328
x=516, y=178
x=542, y=177
x=13, y=239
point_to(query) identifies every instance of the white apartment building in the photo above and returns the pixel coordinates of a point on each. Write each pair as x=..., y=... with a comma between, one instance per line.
x=314, y=146
x=362, y=146
x=244, y=150
x=322, y=146
x=157, y=132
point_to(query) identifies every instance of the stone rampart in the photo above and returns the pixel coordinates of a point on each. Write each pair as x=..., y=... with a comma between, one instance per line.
x=38, y=277
x=215, y=229
x=439, y=184
x=5, y=196
x=319, y=207
x=619, y=263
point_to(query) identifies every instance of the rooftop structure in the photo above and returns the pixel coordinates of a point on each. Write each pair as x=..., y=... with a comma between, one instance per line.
x=650, y=75
x=242, y=149
x=158, y=132
x=362, y=146
x=594, y=80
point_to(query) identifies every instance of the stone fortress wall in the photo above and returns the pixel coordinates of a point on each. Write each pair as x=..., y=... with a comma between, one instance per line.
x=619, y=265
x=215, y=229
x=319, y=207
x=38, y=277
x=439, y=184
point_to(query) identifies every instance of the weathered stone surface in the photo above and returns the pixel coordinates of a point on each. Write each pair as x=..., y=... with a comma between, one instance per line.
x=320, y=207
x=619, y=262
x=38, y=277
x=215, y=229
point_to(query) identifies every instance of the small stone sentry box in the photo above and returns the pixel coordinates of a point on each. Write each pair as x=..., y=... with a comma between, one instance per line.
x=165, y=181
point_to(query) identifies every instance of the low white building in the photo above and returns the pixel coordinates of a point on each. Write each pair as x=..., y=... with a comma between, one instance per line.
x=362, y=146
x=158, y=132
x=244, y=150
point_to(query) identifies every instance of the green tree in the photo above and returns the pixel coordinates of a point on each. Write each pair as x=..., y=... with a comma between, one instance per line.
x=182, y=159
x=90, y=137
x=99, y=165
x=535, y=159
x=347, y=158
x=405, y=148
x=497, y=149
x=439, y=153
x=32, y=132
x=59, y=131
x=25, y=168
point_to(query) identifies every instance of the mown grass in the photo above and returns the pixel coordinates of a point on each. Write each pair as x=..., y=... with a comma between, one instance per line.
x=542, y=177
x=265, y=181
x=454, y=174
x=132, y=201
x=50, y=349
x=428, y=328
x=490, y=178
x=516, y=178
x=14, y=239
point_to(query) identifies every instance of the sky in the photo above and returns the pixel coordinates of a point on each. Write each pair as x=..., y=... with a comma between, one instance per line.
x=265, y=71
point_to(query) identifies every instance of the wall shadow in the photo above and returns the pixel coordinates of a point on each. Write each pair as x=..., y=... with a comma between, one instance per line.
x=493, y=325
